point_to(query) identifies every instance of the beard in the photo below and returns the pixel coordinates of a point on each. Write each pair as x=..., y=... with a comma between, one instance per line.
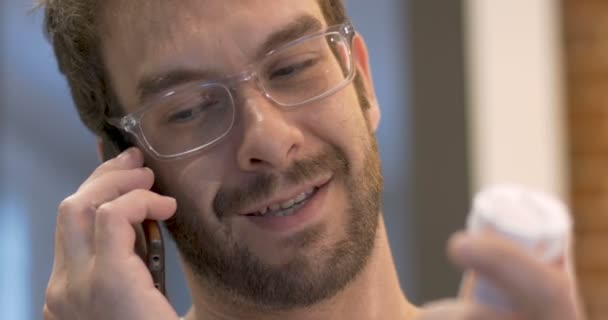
x=234, y=272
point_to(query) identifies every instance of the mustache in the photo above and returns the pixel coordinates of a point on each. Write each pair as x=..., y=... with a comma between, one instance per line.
x=229, y=201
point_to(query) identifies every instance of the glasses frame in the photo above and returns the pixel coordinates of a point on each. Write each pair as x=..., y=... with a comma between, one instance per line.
x=131, y=123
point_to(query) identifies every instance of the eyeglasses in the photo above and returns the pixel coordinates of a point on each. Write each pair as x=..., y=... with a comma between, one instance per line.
x=191, y=118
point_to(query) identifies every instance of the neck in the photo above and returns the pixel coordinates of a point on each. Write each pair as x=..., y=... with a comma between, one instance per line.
x=374, y=294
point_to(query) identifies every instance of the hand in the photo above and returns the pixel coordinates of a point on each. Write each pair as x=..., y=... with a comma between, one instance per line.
x=539, y=291
x=96, y=273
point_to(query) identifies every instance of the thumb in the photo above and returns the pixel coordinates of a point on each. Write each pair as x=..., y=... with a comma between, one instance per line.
x=541, y=290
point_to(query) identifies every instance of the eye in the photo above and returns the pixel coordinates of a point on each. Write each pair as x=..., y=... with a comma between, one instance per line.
x=182, y=116
x=186, y=115
x=292, y=69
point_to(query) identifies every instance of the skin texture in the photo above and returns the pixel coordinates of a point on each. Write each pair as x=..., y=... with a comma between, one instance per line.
x=330, y=271
x=270, y=146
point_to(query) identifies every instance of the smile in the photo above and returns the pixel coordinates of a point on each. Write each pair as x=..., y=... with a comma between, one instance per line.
x=286, y=208
x=288, y=203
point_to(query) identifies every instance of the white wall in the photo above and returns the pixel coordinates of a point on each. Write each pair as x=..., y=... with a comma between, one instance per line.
x=516, y=100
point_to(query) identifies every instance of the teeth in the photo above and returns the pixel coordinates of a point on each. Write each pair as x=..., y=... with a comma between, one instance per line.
x=284, y=213
x=301, y=197
x=274, y=207
x=287, y=204
x=286, y=208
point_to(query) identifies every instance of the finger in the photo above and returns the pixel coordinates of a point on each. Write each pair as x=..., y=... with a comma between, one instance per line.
x=452, y=309
x=114, y=234
x=534, y=285
x=58, y=273
x=56, y=294
x=77, y=213
x=131, y=158
x=466, y=286
x=59, y=256
x=113, y=184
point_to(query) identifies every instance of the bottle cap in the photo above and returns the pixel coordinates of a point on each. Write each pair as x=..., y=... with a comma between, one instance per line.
x=535, y=220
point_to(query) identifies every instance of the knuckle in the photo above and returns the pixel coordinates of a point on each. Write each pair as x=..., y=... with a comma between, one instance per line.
x=54, y=297
x=46, y=313
x=73, y=210
x=66, y=208
x=105, y=213
x=72, y=207
x=67, y=296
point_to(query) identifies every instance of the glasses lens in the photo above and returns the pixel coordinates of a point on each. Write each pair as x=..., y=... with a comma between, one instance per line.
x=307, y=70
x=188, y=119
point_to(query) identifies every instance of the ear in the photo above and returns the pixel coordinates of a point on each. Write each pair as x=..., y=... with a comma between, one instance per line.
x=100, y=148
x=364, y=71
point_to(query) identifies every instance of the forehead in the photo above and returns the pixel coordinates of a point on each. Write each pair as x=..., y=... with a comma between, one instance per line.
x=145, y=37
x=162, y=19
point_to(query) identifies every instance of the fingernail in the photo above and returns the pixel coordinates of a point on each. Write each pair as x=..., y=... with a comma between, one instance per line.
x=146, y=170
x=126, y=154
x=171, y=199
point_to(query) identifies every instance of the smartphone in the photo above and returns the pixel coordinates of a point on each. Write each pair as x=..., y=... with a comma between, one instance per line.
x=149, y=239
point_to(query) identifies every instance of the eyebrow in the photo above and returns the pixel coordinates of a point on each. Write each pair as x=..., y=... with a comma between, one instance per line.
x=301, y=26
x=155, y=84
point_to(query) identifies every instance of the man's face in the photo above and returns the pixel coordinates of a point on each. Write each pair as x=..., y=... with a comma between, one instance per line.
x=318, y=159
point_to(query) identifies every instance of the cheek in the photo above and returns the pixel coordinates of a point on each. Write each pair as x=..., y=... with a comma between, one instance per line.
x=192, y=185
x=199, y=170
x=340, y=122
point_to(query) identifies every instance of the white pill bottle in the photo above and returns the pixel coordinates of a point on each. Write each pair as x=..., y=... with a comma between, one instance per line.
x=535, y=221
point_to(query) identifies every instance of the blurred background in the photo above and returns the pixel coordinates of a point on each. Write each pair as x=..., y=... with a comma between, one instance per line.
x=472, y=93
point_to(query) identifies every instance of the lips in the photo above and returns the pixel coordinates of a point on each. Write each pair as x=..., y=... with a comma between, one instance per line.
x=286, y=205
x=286, y=208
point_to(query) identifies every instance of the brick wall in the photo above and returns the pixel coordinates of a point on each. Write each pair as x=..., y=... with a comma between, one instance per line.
x=586, y=54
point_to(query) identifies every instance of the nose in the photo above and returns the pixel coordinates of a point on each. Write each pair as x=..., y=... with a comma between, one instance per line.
x=270, y=138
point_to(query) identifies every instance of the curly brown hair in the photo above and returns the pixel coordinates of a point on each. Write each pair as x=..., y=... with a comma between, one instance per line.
x=72, y=29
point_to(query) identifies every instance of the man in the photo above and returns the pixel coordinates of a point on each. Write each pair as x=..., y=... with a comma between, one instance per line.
x=256, y=123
